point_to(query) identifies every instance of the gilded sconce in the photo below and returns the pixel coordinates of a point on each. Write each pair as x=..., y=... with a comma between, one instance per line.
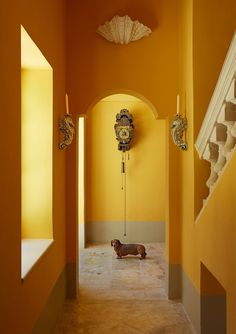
x=67, y=127
x=178, y=126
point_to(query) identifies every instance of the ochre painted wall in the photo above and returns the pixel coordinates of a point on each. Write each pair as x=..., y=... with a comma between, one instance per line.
x=22, y=302
x=186, y=59
x=148, y=66
x=203, y=46
x=97, y=68
x=212, y=35
x=189, y=245
x=145, y=171
x=216, y=236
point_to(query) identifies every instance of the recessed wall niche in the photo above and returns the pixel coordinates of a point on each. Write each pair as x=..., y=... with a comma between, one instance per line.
x=36, y=152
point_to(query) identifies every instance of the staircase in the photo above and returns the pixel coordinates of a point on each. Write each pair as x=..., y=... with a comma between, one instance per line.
x=216, y=140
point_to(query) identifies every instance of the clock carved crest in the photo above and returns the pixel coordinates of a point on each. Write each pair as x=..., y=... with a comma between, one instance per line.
x=124, y=129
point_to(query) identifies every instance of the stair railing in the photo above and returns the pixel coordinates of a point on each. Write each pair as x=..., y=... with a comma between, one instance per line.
x=216, y=140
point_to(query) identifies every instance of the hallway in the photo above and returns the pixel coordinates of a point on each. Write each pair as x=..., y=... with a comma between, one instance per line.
x=122, y=296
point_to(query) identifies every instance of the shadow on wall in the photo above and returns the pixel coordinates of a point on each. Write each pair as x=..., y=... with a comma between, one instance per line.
x=213, y=304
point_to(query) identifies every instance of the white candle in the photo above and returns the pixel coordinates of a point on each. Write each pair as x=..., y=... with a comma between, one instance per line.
x=177, y=106
x=67, y=105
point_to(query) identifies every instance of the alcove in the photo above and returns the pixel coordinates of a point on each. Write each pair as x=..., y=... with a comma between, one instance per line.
x=36, y=153
x=138, y=210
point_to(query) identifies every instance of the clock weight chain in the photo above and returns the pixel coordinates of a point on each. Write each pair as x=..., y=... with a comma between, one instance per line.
x=123, y=187
x=122, y=170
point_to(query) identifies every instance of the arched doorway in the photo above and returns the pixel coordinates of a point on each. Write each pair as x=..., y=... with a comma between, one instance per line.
x=142, y=208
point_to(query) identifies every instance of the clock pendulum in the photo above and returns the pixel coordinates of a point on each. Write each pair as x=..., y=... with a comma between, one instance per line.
x=124, y=129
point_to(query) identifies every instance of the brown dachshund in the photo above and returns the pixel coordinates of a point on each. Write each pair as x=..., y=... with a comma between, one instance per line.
x=126, y=249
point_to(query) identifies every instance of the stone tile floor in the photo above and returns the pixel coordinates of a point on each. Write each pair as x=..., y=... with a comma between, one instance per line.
x=122, y=296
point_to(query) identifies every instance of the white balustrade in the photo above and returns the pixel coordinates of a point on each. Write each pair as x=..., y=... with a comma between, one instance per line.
x=216, y=140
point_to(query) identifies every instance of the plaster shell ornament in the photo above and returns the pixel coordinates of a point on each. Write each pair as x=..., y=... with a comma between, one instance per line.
x=123, y=30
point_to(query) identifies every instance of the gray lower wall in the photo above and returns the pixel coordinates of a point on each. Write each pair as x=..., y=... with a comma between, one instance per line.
x=191, y=302
x=173, y=281
x=207, y=313
x=104, y=232
x=179, y=286
x=53, y=307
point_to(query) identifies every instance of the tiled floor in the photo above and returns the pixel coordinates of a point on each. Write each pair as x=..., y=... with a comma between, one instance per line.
x=122, y=296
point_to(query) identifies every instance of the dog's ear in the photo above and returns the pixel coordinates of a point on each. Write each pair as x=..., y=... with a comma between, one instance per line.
x=112, y=243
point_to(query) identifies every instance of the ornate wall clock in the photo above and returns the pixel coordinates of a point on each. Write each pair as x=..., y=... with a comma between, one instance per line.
x=124, y=129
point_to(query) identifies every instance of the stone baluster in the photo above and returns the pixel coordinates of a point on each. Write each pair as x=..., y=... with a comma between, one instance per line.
x=231, y=101
x=216, y=140
x=227, y=116
x=218, y=137
x=211, y=154
x=233, y=129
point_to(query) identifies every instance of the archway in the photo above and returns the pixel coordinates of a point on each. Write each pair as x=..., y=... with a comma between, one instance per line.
x=138, y=207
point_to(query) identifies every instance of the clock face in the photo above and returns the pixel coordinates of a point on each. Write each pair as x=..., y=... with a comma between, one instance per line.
x=124, y=133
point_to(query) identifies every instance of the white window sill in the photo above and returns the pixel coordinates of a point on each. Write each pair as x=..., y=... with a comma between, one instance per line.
x=31, y=251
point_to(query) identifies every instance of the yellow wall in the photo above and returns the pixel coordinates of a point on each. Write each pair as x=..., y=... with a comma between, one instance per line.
x=97, y=68
x=36, y=153
x=189, y=245
x=203, y=46
x=145, y=171
x=216, y=237
x=186, y=59
x=22, y=302
x=212, y=35
x=148, y=66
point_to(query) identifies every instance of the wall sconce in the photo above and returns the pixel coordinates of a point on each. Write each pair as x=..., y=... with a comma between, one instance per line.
x=67, y=127
x=178, y=126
